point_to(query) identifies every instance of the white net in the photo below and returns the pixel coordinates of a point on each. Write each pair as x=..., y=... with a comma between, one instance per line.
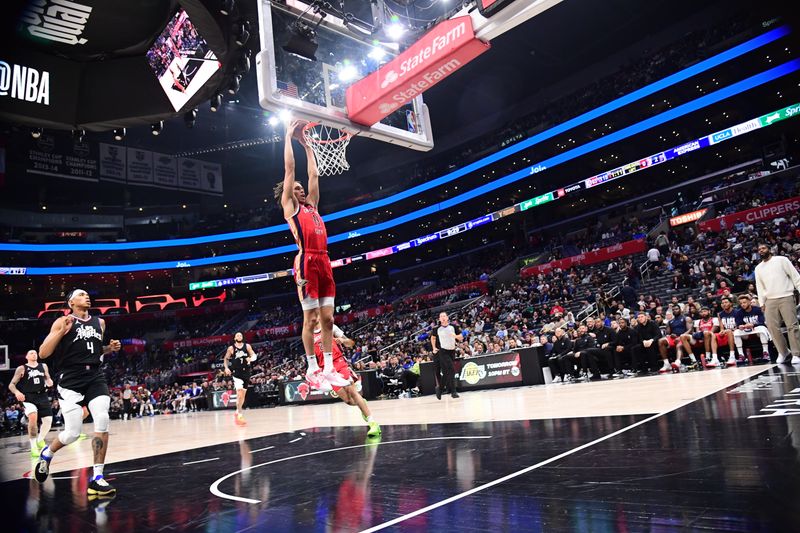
x=329, y=145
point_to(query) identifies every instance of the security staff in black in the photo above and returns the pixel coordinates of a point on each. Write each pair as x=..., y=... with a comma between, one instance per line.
x=605, y=342
x=443, y=341
x=559, y=357
x=29, y=385
x=625, y=341
x=78, y=340
x=587, y=352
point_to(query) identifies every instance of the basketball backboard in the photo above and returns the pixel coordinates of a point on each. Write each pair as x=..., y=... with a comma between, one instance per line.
x=5, y=363
x=315, y=90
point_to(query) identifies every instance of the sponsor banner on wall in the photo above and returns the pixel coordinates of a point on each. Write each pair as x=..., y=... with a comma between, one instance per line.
x=165, y=171
x=685, y=218
x=490, y=370
x=61, y=156
x=757, y=214
x=112, y=162
x=140, y=166
x=481, y=286
x=589, y=258
x=301, y=392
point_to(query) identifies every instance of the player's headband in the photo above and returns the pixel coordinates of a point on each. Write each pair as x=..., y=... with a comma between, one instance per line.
x=72, y=294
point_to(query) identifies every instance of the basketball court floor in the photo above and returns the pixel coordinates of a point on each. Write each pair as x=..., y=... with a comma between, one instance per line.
x=661, y=453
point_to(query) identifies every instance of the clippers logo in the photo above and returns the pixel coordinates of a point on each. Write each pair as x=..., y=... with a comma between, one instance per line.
x=87, y=332
x=24, y=83
x=57, y=20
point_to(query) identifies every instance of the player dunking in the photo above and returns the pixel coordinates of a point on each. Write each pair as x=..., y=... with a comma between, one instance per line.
x=243, y=356
x=78, y=340
x=34, y=380
x=349, y=394
x=312, y=266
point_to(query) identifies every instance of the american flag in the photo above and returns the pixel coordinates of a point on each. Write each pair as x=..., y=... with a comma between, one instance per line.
x=288, y=88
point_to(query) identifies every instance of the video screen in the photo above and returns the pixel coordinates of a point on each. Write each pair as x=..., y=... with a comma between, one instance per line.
x=181, y=60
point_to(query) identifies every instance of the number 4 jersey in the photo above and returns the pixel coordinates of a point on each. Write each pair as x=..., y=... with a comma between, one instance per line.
x=82, y=345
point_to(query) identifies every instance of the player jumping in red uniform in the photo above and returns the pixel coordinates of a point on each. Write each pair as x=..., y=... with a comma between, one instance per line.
x=312, y=266
x=349, y=394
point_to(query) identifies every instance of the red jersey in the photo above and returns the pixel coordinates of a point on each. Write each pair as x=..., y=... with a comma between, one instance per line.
x=309, y=230
x=705, y=325
x=335, y=350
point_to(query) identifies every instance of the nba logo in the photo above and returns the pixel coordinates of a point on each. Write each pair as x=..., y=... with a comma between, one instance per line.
x=411, y=121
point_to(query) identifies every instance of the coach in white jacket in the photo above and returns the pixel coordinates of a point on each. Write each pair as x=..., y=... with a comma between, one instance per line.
x=776, y=281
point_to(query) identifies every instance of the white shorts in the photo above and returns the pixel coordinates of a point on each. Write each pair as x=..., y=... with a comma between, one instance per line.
x=238, y=384
x=29, y=408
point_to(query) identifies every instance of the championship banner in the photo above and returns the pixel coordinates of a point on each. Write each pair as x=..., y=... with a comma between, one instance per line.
x=165, y=171
x=752, y=216
x=59, y=156
x=589, y=258
x=211, y=177
x=481, y=286
x=140, y=166
x=113, y=162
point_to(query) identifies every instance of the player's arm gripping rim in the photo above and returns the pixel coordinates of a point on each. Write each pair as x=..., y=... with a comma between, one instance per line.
x=288, y=202
x=12, y=387
x=313, y=175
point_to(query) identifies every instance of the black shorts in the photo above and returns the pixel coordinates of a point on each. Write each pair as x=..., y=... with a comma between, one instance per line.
x=39, y=404
x=81, y=385
x=241, y=380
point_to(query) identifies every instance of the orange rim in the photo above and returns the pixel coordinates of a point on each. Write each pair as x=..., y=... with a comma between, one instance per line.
x=312, y=125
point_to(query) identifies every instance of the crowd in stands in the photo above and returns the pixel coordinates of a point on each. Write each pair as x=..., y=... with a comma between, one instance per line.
x=703, y=270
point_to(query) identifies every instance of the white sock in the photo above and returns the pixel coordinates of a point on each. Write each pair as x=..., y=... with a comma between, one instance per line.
x=708, y=354
x=33, y=443
x=714, y=356
x=666, y=363
x=312, y=363
x=692, y=358
x=369, y=419
x=98, y=471
x=47, y=453
x=328, y=360
x=765, y=347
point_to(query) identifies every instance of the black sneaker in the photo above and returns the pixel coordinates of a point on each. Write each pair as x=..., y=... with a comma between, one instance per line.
x=438, y=393
x=41, y=470
x=100, y=487
x=454, y=395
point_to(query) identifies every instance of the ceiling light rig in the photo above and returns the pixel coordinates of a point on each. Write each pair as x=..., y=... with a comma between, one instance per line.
x=235, y=145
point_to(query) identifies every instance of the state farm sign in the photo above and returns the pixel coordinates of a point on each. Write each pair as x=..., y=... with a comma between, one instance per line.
x=446, y=48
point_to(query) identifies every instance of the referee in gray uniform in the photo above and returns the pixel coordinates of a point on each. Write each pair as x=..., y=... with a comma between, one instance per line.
x=443, y=341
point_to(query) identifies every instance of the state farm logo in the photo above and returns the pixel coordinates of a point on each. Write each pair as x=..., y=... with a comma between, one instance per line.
x=425, y=54
x=390, y=78
x=24, y=83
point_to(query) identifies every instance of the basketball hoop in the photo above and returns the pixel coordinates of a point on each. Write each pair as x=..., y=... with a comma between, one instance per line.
x=329, y=145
